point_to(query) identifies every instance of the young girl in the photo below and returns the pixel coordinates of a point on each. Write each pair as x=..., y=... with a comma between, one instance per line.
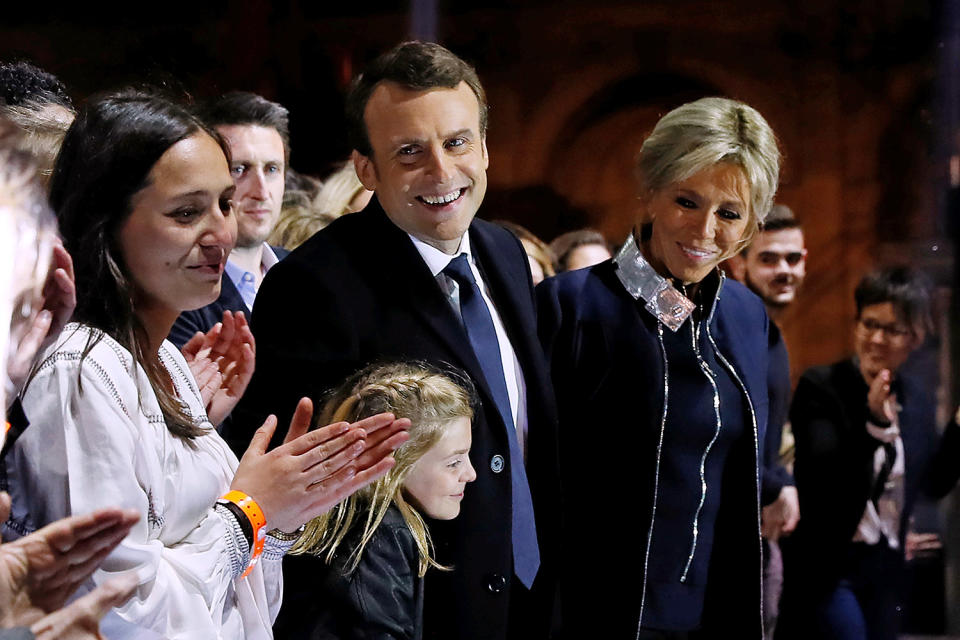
x=375, y=545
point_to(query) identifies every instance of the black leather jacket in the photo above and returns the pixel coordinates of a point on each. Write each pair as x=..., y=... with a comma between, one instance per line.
x=381, y=599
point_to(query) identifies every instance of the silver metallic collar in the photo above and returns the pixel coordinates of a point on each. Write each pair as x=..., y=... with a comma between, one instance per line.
x=641, y=280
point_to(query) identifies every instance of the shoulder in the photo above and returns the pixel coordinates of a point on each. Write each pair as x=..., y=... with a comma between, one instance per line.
x=81, y=345
x=737, y=299
x=597, y=285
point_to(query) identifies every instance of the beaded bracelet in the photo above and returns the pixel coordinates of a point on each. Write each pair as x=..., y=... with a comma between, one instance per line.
x=258, y=522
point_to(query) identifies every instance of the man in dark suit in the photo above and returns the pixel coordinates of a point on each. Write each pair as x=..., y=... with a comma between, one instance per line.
x=257, y=133
x=415, y=275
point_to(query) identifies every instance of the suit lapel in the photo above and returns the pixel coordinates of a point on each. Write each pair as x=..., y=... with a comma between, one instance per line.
x=409, y=283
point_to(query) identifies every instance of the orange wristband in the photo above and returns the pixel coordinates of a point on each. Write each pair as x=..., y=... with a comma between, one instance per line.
x=257, y=520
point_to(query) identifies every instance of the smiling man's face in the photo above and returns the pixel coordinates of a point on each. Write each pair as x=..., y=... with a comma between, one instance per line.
x=429, y=161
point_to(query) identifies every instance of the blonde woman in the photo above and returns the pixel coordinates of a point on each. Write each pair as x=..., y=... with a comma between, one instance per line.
x=375, y=545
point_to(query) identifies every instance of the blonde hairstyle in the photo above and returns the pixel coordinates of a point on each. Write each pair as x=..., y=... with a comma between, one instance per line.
x=299, y=219
x=533, y=247
x=44, y=124
x=431, y=398
x=338, y=191
x=701, y=134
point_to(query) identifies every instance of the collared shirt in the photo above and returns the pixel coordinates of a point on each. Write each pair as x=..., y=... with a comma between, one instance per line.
x=437, y=261
x=883, y=519
x=246, y=282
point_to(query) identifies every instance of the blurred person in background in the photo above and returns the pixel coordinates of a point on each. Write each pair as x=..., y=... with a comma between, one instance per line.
x=539, y=255
x=774, y=266
x=866, y=448
x=257, y=134
x=579, y=249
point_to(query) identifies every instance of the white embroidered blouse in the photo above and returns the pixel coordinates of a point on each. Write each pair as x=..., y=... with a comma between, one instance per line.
x=100, y=440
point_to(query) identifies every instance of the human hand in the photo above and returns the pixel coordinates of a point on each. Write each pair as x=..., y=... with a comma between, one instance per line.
x=222, y=362
x=312, y=471
x=921, y=544
x=40, y=571
x=780, y=517
x=881, y=403
x=80, y=620
x=59, y=300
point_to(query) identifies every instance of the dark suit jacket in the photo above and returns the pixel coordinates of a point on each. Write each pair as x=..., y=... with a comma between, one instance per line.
x=834, y=470
x=358, y=291
x=202, y=319
x=609, y=375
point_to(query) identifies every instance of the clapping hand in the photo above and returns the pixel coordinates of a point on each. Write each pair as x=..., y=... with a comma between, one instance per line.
x=39, y=572
x=881, y=403
x=59, y=300
x=312, y=471
x=222, y=362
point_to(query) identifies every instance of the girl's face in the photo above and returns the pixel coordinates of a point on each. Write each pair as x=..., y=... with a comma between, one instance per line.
x=435, y=484
x=181, y=229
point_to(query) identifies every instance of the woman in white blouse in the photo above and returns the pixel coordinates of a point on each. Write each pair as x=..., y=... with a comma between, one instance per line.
x=142, y=194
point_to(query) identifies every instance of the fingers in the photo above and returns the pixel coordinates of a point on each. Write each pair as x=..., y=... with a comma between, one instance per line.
x=373, y=423
x=81, y=619
x=300, y=422
x=329, y=457
x=261, y=439
x=193, y=346
x=383, y=442
x=226, y=335
x=307, y=441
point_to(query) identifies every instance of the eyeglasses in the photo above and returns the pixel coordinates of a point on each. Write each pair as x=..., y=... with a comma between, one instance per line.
x=869, y=326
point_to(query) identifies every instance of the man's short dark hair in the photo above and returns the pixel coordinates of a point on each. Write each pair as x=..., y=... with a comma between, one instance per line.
x=22, y=82
x=417, y=66
x=780, y=217
x=245, y=108
x=908, y=290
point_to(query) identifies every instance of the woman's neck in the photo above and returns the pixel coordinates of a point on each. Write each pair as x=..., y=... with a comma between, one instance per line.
x=157, y=322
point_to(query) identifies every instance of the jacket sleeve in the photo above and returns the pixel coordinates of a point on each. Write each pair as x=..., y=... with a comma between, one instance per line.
x=775, y=475
x=944, y=468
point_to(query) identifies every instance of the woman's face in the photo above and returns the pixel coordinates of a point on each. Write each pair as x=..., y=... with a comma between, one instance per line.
x=435, y=484
x=882, y=340
x=698, y=222
x=177, y=238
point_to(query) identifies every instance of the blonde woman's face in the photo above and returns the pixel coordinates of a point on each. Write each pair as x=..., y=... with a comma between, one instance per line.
x=698, y=222
x=436, y=483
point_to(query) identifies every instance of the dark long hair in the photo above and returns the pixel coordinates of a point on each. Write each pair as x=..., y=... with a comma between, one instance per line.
x=106, y=158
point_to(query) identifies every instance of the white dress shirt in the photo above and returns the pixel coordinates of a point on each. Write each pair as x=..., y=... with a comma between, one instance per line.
x=437, y=261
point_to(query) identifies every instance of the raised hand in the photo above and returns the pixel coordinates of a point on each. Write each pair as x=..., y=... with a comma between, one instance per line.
x=40, y=571
x=882, y=404
x=222, y=362
x=312, y=471
x=80, y=620
x=59, y=300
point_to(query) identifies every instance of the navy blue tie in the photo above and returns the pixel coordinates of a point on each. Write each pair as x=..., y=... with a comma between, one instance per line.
x=483, y=338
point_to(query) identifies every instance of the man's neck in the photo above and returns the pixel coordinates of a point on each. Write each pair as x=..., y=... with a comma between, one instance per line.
x=775, y=312
x=249, y=259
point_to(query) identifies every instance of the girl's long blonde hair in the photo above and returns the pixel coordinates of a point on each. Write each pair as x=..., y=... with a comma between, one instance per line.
x=431, y=398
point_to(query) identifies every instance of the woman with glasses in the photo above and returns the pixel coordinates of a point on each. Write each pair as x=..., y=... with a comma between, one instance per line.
x=866, y=447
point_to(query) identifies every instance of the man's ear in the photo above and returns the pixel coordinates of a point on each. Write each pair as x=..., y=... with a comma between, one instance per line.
x=486, y=156
x=365, y=170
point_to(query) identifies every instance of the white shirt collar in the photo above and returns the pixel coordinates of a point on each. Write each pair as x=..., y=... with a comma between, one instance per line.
x=437, y=260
